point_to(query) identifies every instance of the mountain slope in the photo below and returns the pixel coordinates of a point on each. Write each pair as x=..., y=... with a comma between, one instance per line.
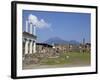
x=57, y=40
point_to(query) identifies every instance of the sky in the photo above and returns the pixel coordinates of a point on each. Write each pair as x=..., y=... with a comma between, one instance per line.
x=65, y=25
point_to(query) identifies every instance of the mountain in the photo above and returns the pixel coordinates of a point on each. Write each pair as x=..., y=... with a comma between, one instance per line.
x=57, y=40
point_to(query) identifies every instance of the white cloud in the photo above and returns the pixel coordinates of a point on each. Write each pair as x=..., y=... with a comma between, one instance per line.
x=32, y=19
x=42, y=24
x=38, y=23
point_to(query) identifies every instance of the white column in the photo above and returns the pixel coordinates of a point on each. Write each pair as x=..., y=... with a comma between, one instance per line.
x=31, y=28
x=31, y=43
x=26, y=46
x=26, y=29
x=34, y=30
x=34, y=47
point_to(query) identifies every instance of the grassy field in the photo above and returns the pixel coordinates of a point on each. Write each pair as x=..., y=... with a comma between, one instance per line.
x=71, y=59
x=68, y=58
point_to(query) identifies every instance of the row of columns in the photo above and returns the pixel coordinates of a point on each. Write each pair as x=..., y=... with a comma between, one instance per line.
x=30, y=46
x=31, y=28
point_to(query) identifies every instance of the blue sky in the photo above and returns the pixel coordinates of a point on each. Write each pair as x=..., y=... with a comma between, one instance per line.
x=65, y=25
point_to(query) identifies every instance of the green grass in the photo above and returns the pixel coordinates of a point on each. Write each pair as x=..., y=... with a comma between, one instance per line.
x=74, y=58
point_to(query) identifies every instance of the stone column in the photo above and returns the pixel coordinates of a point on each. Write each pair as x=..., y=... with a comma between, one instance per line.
x=34, y=30
x=31, y=25
x=26, y=46
x=26, y=28
x=34, y=47
x=31, y=43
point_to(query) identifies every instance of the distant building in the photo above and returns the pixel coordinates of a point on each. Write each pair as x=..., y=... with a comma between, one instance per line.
x=43, y=47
